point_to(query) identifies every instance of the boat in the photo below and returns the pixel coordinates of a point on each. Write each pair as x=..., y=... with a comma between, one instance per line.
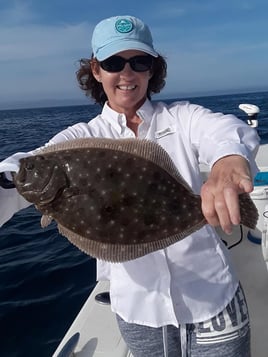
x=94, y=331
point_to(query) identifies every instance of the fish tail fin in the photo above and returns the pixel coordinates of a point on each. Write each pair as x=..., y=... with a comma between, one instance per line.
x=248, y=211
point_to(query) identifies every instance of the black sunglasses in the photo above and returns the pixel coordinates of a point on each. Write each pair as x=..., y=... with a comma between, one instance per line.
x=137, y=63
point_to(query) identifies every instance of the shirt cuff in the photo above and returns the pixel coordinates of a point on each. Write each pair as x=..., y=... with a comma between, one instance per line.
x=235, y=149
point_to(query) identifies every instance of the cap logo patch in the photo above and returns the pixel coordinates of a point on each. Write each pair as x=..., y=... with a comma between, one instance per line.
x=124, y=25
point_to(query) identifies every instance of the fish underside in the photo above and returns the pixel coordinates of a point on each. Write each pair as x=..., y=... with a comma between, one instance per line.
x=116, y=200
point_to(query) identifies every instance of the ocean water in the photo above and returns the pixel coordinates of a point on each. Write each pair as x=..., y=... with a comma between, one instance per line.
x=44, y=280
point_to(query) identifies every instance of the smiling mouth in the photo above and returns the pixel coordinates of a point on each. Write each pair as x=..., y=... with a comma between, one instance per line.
x=127, y=87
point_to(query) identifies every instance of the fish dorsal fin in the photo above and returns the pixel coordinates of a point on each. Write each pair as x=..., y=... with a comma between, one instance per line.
x=142, y=148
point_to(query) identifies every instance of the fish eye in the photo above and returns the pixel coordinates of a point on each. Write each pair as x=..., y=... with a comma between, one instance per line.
x=29, y=166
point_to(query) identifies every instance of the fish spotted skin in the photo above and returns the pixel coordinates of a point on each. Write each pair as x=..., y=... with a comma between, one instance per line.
x=116, y=200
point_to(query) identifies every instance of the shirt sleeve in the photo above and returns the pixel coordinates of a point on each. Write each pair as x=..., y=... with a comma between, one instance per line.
x=10, y=201
x=79, y=130
x=215, y=135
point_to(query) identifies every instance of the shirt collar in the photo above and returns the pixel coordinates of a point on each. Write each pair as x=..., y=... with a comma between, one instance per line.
x=145, y=112
x=118, y=120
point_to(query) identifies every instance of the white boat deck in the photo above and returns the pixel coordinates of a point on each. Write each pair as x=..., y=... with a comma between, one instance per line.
x=252, y=271
x=99, y=334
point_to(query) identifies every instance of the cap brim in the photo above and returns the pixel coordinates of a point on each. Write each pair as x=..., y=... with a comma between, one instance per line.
x=112, y=49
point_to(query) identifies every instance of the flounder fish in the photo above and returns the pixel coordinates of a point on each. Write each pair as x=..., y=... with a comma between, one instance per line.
x=115, y=199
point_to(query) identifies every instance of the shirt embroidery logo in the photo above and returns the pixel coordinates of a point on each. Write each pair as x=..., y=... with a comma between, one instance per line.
x=124, y=25
x=164, y=132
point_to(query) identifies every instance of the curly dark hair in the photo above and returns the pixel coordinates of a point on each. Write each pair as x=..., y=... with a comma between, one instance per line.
x=94, y=89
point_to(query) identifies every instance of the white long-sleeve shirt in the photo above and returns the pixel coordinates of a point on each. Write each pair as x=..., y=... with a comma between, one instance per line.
x=192, y=280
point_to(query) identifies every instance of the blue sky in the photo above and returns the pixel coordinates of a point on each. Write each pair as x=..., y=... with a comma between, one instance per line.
x=211, y=46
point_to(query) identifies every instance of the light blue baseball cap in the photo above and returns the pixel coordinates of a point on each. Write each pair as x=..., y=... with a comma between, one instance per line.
x=121, y=33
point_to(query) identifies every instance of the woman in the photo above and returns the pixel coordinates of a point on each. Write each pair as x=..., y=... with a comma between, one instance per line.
x=184, y=300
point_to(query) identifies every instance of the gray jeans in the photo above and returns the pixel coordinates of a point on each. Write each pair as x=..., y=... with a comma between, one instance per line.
x=225, y=335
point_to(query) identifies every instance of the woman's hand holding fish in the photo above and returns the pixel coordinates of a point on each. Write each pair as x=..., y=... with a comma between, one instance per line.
x=229, y=177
